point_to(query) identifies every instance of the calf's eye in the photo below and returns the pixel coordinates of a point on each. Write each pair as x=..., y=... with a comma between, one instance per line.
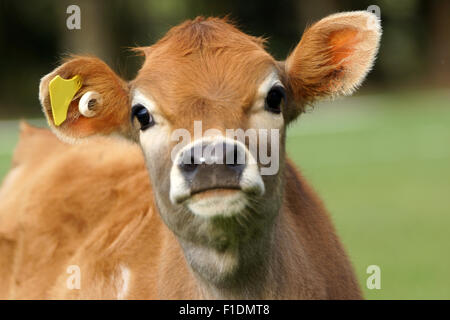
x=275, y=99
x=142, y=115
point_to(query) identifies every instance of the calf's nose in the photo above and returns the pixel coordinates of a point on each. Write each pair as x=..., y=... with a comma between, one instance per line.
x=212, y=166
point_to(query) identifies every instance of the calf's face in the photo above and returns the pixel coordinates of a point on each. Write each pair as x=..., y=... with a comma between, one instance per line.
x=203, y=93
x=209, y=108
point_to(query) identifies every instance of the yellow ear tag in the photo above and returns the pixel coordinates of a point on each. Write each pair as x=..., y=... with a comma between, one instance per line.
x=62, y=92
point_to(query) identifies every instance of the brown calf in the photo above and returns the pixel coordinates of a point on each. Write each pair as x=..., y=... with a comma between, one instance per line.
x=203, y=227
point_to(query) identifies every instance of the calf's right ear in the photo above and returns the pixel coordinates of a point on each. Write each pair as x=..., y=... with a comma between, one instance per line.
x=84, y=97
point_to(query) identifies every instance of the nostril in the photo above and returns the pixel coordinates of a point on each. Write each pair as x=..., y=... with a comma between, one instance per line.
x=235, y=157
x=188, y=164
x=188, y=167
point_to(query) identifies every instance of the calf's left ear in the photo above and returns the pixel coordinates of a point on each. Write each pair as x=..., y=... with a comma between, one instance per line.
x=84, y=97
x=334, y=56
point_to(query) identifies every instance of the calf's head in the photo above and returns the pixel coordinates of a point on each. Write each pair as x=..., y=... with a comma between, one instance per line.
x=209, y=108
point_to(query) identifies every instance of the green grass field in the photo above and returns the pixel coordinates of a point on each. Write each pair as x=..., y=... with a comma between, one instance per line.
x=381, y=163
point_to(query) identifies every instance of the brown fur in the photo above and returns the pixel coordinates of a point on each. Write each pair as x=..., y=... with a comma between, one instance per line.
x=207, y=58
x=92, y=204
x=105, y=217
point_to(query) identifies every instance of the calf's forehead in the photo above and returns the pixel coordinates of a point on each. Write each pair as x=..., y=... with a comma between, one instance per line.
x=204, y=66
x=227, y=79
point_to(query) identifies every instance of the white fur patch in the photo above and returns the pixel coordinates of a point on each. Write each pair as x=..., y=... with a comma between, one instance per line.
x=218, y=205
x=123, y=282
x=140, y=98
x=251, y=180
x=179, y=188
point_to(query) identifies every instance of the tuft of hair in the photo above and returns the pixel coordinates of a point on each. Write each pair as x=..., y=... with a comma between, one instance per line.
x=202, y=33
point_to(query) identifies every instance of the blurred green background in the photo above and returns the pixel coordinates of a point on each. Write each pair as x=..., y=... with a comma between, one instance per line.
x=380, y=159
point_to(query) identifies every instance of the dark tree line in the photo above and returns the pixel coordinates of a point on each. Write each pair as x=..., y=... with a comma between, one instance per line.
x=415, y=47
